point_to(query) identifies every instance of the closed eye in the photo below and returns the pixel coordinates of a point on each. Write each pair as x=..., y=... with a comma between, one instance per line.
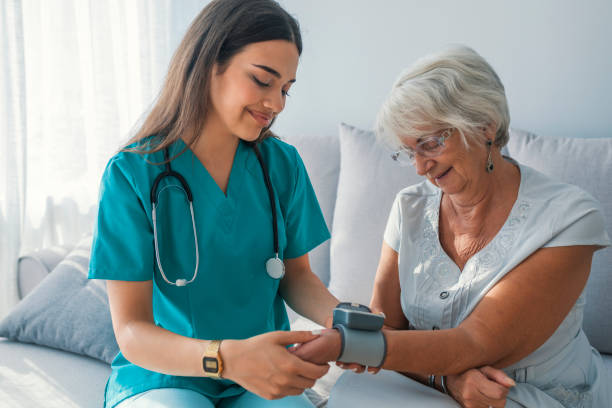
x=429, y=144
x=259, y=82
x=267, y=85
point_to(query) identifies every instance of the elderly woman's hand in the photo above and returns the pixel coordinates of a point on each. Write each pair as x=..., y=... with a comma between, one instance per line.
x=480, y=387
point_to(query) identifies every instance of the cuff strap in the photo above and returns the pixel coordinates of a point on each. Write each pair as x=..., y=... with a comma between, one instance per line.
x=368, y=348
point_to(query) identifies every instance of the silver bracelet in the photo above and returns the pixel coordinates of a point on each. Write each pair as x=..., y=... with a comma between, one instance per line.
x=443, y=382
x=432, y=381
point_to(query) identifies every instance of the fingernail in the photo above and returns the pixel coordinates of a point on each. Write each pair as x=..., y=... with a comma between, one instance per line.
x=317, y=332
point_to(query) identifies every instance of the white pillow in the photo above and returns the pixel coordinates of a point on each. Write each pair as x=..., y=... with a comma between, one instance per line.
x=368, y=182
x=321, y=156
x=587, y=163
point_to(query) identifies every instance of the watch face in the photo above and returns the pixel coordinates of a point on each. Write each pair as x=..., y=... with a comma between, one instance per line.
x=211, y=365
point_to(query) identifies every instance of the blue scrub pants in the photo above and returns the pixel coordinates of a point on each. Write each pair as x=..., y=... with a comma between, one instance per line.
x=184, y=398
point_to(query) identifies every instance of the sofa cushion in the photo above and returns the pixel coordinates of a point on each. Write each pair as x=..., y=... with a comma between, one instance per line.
x=34, y=376
x=368, y=182
x=32, y=268
x=66, y=311
x=607, y=359
x=321, y=156
x=586, y=163
x=398, y=391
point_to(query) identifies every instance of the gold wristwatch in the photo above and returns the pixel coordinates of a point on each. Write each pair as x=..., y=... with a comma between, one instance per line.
x=211, y=362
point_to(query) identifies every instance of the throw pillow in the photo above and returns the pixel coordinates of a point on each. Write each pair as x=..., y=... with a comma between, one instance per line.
x=321, y=156
x=368, y=182
x=66, y=311
x=587, y=163
x=34, y=267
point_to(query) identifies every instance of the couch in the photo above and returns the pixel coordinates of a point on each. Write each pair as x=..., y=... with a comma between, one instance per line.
x=355, y=181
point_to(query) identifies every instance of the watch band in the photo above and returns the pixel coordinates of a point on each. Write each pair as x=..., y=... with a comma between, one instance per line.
x=212, y=362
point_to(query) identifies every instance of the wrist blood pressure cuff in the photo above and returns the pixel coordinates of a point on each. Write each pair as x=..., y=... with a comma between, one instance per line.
x=362, y=340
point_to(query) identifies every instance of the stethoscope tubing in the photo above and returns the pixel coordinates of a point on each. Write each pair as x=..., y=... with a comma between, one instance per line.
x=168, y=172
x=179, y=282
x=266, y=175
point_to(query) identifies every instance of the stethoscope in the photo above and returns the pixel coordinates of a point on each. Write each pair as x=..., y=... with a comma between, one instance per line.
x=274, y=266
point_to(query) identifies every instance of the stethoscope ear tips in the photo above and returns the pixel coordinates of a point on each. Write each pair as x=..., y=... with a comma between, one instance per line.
x=181, y=282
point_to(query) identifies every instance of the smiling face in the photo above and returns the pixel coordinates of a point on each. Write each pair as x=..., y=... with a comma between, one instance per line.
x=251, y=89
x=456, y=169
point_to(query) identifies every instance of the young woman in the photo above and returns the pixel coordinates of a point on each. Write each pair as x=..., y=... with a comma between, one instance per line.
x=205, y=223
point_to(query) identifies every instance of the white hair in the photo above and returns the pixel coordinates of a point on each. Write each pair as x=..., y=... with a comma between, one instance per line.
x=454, y=88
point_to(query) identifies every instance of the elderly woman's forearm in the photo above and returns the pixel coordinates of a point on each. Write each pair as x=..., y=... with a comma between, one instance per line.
x=515, y=318
x=443, y=352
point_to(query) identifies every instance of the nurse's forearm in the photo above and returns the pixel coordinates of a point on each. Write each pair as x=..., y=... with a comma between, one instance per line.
x=310, y=298
x=157, y=349
x=305, y=293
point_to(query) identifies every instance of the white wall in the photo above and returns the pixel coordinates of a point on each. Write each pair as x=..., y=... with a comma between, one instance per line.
x=553, y=56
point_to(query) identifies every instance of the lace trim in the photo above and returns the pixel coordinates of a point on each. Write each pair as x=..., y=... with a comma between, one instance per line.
x=437, y=264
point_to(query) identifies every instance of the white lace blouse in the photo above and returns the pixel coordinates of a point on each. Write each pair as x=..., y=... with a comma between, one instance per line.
x=435, y=294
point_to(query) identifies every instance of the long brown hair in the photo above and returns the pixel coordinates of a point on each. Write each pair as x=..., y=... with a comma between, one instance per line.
x=221, y=30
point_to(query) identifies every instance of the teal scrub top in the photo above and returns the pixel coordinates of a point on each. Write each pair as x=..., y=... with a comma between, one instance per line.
x=232, y=296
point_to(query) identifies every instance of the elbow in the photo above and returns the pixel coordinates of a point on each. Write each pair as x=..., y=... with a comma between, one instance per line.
x=127, y=340
x=480, y=348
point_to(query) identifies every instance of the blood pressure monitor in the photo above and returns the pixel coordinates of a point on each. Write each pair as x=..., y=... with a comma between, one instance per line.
x=363, y=341
x=356, y=316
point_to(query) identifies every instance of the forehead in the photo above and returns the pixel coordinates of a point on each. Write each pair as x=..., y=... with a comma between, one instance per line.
x=280, y=55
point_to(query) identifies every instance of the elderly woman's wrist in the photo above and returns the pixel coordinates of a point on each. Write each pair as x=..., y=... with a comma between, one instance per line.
x=449, y=381
x=438, y=382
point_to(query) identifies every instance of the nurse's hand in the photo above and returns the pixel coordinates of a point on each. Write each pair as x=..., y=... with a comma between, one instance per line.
x=322, y=349
x=480, y=387
x=263, y=365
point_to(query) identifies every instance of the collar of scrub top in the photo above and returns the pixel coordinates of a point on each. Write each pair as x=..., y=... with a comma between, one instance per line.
x=274, y=266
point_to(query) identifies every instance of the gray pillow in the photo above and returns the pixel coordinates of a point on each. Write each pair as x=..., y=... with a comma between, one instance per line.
x=66, y=311
x=586, y=163
x=32, y=268
x=321, y=156
x=368, y=183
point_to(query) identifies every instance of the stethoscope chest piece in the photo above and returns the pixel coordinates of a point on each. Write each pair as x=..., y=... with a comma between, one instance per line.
x=275, y=268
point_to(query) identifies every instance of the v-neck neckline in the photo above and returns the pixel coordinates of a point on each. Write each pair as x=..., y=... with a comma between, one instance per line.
x=201, y=173
x=470, y=260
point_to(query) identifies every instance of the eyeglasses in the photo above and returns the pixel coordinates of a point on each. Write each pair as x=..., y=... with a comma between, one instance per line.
x=429, y=146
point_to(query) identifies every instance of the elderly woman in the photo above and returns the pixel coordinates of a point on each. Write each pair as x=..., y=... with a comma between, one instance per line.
x=483, y=264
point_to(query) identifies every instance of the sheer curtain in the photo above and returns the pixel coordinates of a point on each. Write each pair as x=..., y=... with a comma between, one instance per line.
x=76, y=77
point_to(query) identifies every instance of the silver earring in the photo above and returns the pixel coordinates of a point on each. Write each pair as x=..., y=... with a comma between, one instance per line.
x=489, y=167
